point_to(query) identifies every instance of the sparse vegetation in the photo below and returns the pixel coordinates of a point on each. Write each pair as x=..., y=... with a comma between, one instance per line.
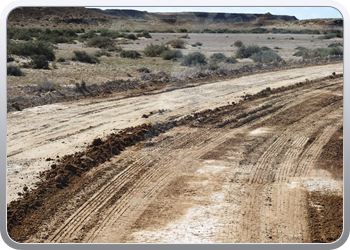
x=82, y=56
x=171, y=54
x=154, y=50
x=246, y=52
x=130, y=54
x=178, y=43
x=31, y=49
x=195, y=58
x=266, y=56
x=100, y=42
x=13, y=70
x=238, y=43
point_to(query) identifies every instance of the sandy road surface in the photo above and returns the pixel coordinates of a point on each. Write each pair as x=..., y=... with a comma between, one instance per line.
x=266, y=170
x=38, y=133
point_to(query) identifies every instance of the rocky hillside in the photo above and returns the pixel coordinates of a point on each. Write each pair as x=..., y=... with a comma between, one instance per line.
x=80, y=17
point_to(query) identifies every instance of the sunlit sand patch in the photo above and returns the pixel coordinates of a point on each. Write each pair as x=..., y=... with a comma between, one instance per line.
x=43, y=109
x=198, y=225
x=210, y=167
x=260, y=131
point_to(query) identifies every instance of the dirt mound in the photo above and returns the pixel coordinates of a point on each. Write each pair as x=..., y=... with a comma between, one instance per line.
x=66, y=174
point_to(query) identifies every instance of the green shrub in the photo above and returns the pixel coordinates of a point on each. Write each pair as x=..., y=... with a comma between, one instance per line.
x=82, y=56
x=217, y=57
x=131, y=37
x=246, y=52
x=144, y=34
x=38, y=62
x=100, y=42
x=32, y=48
x=266, y=56
x=154, y=50
x=171, y=54
x=61, y=59
x=130, y=54
x=90, y=34
x=195, y=58
x=102, y=53
x=13, y=70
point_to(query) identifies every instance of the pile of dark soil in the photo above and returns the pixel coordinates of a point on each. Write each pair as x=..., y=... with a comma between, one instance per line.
x=66, y=175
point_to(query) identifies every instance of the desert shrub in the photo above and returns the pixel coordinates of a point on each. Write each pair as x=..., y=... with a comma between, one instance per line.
x=321, y=52
x=238, y=43
x=198, y=44
x=266, y=56
x=10, y=59
x=38, y=62
x=61, y=59
x=181, y=30
x=13, y=70
x=155, y=50
x=143, y=70
x=300, y=51
x=131, y=37
x=195, y=58
x=171, y=54
x=100, y=42
x=177, y=43
x=335, y=45
x=82, y=56
x=32, y=48
x=90, y=34
x=102, y=53
x=110, y=33
x=217, y=57
x=264, y=48
x=246, y=52
x=230, y=60
x=45, y=86
x=144, y=34
x=130, y=54
x=210, y=66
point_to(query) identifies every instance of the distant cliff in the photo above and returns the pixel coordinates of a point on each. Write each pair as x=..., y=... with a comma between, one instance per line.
x=132, y=20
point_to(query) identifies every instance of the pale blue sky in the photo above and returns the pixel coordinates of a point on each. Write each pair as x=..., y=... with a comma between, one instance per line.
x=298, y=12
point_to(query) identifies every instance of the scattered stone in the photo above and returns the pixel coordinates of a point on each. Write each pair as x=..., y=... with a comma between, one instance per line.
x=25, y=188
x=53, y=166
x=97, y=142
x=37, y=203
x=59, y=178
x=86, y=158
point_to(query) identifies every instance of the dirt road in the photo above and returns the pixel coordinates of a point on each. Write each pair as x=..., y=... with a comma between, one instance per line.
x=236, y=173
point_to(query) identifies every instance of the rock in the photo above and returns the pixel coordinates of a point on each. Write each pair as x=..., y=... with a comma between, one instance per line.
x=37, y=203
x=25, y=188
x=115, y=151
x=97, y=142
x=53, y=166
x=86, y=158
x=59, y=178
x=16, y=106
x=71, y=168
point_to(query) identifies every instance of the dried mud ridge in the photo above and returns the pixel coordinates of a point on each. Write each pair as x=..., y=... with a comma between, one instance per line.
x=140, y=87
x=68, y=174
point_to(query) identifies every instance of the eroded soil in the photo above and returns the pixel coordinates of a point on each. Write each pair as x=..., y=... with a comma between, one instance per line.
x=232, y=164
